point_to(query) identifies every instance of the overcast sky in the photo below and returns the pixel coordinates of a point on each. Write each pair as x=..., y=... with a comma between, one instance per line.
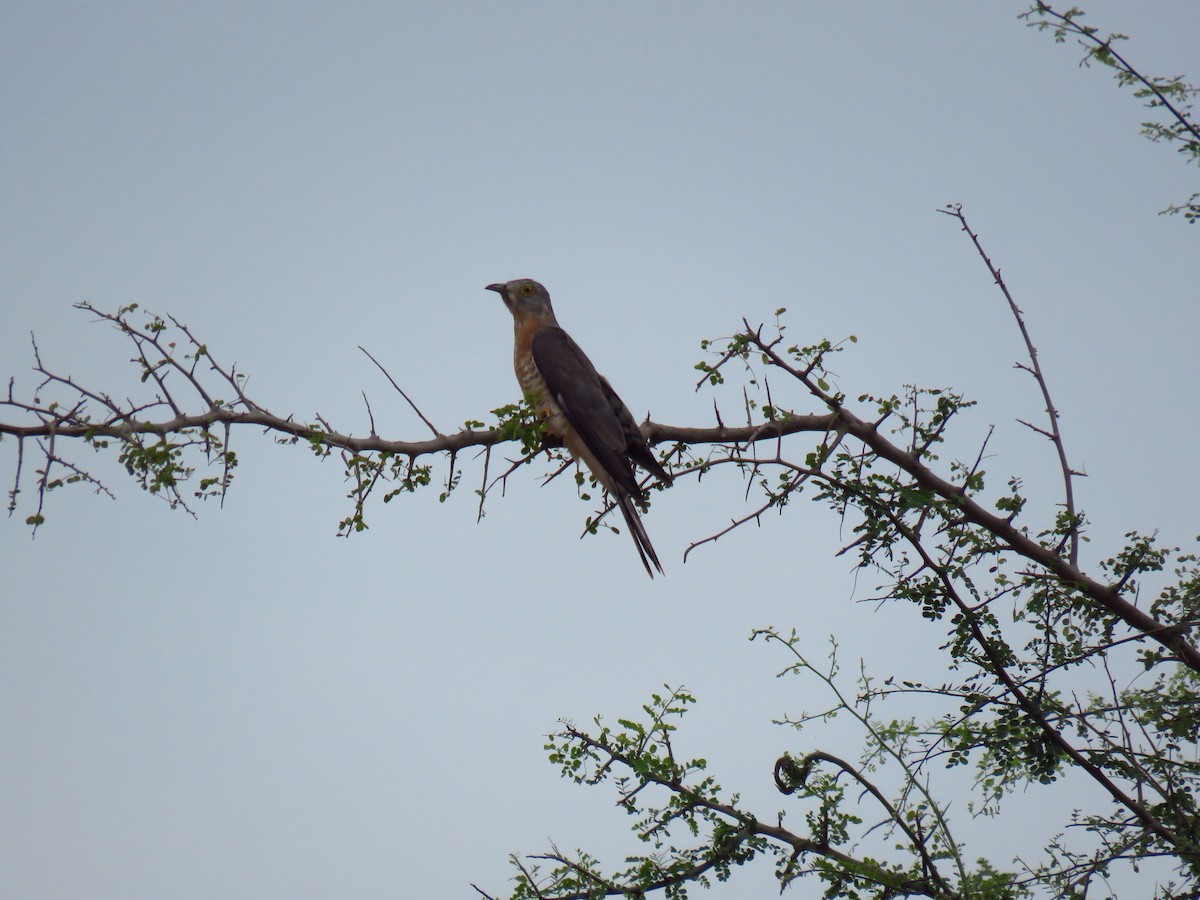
x=244, y=705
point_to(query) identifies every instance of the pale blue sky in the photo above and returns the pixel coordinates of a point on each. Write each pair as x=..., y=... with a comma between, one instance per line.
x=245, y=705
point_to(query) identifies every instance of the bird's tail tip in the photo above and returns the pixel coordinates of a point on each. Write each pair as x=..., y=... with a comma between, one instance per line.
x=641, y=540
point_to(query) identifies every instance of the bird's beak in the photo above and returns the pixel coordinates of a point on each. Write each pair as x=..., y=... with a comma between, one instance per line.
x=498, y=288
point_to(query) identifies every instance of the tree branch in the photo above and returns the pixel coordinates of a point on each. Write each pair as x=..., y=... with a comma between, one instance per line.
x=1034, y=369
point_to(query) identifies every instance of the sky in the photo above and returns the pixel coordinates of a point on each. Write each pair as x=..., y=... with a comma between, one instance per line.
x=244, y=704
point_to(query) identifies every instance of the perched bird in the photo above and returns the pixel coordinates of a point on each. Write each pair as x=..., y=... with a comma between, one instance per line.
x=580, y=406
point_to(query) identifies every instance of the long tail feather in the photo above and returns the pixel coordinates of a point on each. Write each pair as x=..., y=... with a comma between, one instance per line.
x=637, y=531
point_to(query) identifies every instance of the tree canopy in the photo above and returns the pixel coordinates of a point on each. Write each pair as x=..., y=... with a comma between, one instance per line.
x=1057, y=668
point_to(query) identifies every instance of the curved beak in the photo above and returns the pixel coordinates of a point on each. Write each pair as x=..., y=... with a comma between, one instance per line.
x=498, y=288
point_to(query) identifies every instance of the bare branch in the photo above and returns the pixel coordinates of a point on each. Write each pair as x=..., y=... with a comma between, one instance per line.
x=1035, y=369
x=400, y=390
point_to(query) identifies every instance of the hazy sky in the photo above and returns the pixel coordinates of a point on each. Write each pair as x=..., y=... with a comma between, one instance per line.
x=247, y=706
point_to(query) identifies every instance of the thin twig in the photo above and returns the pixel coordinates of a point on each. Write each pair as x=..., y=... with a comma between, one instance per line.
x=1035, y=369
x=399, y=389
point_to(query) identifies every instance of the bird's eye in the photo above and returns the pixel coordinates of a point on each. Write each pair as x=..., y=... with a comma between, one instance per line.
x=527, y=290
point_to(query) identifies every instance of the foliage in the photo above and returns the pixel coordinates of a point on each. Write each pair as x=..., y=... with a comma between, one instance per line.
x=183, y=422
x=1051, y=674
x=1054, y=672
x=1171, y=98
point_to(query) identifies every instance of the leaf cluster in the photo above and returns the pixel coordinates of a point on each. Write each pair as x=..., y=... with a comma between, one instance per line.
x=1171, y=98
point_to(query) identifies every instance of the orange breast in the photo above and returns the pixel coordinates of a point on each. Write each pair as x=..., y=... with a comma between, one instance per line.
x=532, y=384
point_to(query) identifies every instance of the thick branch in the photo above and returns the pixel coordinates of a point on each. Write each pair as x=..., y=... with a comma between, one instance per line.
x=1173, y=638
x=656, y=433
x=1003, y=529
x=1033, y=707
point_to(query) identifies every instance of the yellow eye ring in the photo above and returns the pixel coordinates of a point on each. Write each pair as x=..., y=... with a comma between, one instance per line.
x=527, y=290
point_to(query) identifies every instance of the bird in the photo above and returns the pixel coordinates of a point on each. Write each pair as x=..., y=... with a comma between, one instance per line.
x=579, y=406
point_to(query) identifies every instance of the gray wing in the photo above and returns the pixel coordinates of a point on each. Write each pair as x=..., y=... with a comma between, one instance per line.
x=636, y=447
x=603, y=423
x=580, y=393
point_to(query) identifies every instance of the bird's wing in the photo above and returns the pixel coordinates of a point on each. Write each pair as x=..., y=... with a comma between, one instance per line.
x=636, y=447
x=575, y=386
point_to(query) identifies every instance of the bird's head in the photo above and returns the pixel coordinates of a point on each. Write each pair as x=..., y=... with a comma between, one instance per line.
x=526, y=299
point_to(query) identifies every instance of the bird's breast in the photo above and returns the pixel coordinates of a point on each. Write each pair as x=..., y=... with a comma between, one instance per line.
x=534, y=386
